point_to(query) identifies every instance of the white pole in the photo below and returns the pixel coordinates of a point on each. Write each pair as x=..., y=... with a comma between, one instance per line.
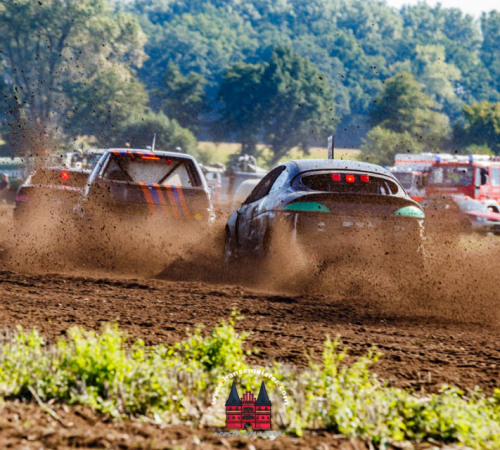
x=154, y=143
x=330, y=147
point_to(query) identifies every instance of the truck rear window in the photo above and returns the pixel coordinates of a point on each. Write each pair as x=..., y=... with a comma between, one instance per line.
x=151, y=170
x=350, y=183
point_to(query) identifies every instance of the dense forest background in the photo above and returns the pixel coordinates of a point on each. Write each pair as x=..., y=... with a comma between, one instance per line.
x=280, y=72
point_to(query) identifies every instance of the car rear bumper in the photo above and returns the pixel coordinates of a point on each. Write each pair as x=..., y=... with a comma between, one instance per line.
x=325, y=234
x=488, y=227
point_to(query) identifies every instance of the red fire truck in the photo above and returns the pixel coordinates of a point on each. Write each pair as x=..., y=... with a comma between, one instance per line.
x=475, y=176
x=411, y=169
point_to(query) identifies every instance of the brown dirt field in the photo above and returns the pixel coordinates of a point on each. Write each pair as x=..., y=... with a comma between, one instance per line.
x=29, y=427
x=442, y=327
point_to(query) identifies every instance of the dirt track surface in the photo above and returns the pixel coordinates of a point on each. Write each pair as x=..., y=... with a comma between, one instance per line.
x=440, y=326
x=29, y=427
x=421, y=352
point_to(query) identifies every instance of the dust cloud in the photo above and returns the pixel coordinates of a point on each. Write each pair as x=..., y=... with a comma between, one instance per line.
x=458, y=280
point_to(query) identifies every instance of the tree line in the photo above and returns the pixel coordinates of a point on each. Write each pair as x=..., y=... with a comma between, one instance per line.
x=283, y=73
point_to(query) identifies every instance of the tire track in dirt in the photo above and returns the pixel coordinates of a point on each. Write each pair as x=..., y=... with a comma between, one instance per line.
x=419, y=352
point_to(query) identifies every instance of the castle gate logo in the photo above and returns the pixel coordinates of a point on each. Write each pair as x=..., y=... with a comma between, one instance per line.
x=247, y=415
x=247, y=412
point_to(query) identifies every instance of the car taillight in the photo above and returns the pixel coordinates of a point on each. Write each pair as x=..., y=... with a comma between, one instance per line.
x=350, y=178
x=64, y=175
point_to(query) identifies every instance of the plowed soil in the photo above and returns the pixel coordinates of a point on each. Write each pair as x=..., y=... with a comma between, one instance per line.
x=440, y=326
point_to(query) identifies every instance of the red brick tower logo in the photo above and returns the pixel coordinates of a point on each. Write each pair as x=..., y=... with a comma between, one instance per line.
x=241, y=414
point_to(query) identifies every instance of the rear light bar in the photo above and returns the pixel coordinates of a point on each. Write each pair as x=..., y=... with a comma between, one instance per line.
x=350, y=178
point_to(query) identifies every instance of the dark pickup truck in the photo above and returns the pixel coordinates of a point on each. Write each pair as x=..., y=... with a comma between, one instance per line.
x=128, y=183
x=50, y=191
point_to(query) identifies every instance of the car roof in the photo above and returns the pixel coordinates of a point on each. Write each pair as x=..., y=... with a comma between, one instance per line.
x=126, y=151
x=64, y=168
x=304, y=165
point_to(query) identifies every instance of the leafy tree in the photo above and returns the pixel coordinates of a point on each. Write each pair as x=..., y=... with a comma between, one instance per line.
x=239, y=95
x=356, y=43
x=103, y=103
x=482, y=126
x=402, y=107
x=182, y=96
x=49, y=48
x=490, y=49
x=437, y=43
x=403, y=121
x=297, y=103
x=382, y=144
x=204, y=40
x=287, y=101
x=436, y=75
x=139, y=133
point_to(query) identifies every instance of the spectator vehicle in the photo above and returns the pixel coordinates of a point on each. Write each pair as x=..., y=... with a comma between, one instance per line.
x=458, y=213
x=243, y=191
x=475, y=176
x=127, y=182
x=244, y=168
x=323, y=204
x=213, y=176
x=13, y=168
x=50, y=189
x=412, y=181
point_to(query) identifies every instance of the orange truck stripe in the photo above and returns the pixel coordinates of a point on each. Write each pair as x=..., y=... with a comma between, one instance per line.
x=172, y=202
x=163, y=203
x=148, y=197
x=185, y=208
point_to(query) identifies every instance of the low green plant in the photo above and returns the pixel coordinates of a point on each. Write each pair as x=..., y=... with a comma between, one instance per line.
x=101, y=371
x=351, y=400
x=176, y=383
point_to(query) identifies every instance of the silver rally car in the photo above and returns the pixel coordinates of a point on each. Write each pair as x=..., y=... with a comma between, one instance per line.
x=325, y=206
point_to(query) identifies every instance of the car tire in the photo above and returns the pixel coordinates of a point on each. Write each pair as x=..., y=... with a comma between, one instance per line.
x=269, y=247
x=230, y=251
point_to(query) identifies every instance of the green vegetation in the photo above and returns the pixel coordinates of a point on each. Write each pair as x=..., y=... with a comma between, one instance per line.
x=404, y=119
x=177, y=382
x=482, y=126
x=283, y=74
x=139, y=132
x=287, y=101
x=67, y=66
x=183, y=97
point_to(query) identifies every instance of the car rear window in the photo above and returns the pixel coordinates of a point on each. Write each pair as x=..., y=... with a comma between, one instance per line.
x=148, y=169
x=59, y=177
x=356, y=183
